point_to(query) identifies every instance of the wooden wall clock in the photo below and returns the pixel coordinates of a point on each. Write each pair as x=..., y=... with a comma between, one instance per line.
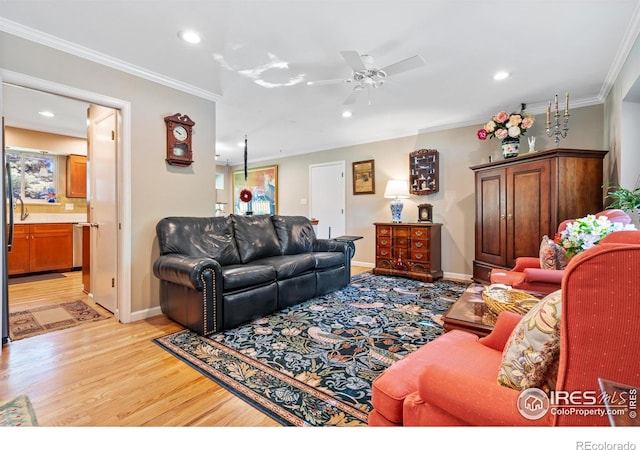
x=179, y=132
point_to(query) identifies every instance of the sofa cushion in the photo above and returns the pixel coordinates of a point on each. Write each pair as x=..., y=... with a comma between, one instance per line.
x=533, y=344
x=256, y=237
x=295, y=233
x=290, y=265
x=241, y=276
x=552, y=256
x=203, y=237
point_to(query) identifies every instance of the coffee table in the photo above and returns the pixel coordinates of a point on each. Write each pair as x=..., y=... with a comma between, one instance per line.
x=470, y=312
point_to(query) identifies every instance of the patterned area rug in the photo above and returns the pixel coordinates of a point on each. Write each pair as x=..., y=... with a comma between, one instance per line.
x=313, y=364
x=18, y=413
x=32, y=322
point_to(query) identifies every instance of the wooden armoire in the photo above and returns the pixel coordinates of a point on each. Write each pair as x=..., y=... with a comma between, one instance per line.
x=519, y=200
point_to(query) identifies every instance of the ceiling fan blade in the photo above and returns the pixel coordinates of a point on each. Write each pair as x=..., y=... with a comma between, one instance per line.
x=322, y=82
x=351, y=99
x=402, y=66
x=354, y=60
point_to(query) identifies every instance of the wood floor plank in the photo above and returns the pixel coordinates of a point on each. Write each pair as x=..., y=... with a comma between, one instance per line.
x=111, y=374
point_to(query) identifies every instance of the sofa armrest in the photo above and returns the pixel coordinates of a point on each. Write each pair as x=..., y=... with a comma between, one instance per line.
x=501, y=332
x=184, y=270
x=331, y=245
x=544, y=276
x=526, y=262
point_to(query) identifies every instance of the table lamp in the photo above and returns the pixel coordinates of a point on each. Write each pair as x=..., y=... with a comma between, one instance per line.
x=396, y=189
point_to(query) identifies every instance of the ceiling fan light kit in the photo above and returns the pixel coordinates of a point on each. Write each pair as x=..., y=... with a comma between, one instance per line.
x=366, y=74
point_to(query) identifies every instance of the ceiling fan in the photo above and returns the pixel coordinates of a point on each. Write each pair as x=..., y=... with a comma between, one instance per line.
x=366, y=75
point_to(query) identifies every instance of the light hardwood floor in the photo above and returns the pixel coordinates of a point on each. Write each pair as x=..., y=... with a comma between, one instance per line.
x=111, y=374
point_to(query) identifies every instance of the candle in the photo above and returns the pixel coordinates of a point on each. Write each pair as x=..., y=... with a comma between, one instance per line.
x=566, y=106
x=548, y=114
x=556, y=105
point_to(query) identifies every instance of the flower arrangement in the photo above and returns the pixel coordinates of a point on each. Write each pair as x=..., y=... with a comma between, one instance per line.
x=504, y=125
x=586, y=232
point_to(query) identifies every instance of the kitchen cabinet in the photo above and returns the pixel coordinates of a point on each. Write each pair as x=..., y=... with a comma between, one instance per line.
x=41, y=247
x=409, y=250
x=76, y=176
x=519, y=200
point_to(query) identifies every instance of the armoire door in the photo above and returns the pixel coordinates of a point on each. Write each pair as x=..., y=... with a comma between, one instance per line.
x=491, y=216
x=528, y=209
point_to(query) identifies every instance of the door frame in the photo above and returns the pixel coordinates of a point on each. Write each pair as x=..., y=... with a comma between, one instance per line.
x=123, y=171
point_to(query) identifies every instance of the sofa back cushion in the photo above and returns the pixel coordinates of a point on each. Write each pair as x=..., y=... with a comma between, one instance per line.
x=210, y=237
x=256, y=237
x=295, y=233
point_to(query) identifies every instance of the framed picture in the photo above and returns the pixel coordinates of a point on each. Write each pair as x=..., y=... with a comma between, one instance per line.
x=262, y=184
x=364, y=177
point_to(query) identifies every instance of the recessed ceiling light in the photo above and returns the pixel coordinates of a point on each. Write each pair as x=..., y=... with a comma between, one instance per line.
x=501, y=75
x=346, y=114
x=189, y=36
x=46, y=113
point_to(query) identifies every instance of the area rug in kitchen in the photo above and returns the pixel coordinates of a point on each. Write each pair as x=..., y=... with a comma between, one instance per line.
x=312, y=364
x=32, y=322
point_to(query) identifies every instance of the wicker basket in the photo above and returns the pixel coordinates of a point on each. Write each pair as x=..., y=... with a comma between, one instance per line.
x=500, y=298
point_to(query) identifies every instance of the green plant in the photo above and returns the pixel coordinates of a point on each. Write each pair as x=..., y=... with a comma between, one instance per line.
x=627, y=200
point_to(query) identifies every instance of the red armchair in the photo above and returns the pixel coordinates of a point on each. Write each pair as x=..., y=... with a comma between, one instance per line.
x=453, y=379
x=527, y=273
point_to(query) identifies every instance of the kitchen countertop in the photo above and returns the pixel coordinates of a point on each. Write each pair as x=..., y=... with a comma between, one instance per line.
x=49, y=218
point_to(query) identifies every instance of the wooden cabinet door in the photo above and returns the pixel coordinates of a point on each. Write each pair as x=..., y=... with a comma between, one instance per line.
x=18, y=258
x=528, y=209
x=490, y=216
x=51, y=247
x=76, y=176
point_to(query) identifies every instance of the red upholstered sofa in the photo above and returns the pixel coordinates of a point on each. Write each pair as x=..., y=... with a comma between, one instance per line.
x=453, y=379
x=527, y=273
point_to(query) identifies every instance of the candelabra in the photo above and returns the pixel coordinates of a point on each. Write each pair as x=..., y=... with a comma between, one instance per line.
x=559, y=129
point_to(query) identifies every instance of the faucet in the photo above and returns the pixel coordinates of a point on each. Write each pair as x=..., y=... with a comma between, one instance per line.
x=24, y=212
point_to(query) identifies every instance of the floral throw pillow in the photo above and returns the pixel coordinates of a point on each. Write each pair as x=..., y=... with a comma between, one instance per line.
x=552, y=256
x=530, y=357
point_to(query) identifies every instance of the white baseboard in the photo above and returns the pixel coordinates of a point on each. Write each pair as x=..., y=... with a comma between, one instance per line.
x=145, y=313
x=362, y=264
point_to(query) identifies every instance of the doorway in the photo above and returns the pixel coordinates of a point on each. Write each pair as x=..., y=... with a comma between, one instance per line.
x=121, y=279
x=327, y=198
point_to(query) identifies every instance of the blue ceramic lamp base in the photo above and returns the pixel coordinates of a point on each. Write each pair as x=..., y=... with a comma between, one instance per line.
x=396, y=211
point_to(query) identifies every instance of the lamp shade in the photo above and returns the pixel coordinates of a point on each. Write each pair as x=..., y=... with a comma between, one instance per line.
x=397, y=189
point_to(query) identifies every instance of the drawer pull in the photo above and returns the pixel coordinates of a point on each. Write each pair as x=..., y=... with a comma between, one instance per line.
x=418, y=256
x=384, y=242
x=418, y=232
x=384, y=253
x=419, y=244
x=384, y=231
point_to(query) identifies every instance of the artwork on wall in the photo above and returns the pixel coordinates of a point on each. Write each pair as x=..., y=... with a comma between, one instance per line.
x=258, y=194
x=364, y=177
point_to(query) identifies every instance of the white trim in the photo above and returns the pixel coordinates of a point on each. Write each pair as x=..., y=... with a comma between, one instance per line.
x=457, y=276
x=49, y=40
x=146, y=314
x=362, y=264
x=124, y=167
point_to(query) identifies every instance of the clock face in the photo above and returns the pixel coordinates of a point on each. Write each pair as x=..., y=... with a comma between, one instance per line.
x=180, y=133
x=179, y=152
x=423, y=213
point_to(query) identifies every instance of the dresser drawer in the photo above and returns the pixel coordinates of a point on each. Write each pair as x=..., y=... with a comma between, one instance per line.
x=419, y=245
x=420, y=256
x=420, y=233
x=383, y=252
x=384, y=241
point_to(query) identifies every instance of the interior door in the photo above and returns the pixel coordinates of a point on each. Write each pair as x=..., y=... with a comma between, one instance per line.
x=327, y=198
x=102, y=203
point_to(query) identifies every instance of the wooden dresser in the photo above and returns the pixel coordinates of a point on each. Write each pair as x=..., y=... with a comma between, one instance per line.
x=409, y=250
x=519, y=200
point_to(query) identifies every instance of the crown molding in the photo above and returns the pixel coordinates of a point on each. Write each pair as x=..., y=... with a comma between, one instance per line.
x=628, y=41
x=51, y=41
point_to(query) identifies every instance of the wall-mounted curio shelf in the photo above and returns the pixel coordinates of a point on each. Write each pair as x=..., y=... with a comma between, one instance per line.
x=424, y=177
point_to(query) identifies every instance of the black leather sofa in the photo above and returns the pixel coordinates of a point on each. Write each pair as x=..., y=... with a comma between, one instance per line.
x=219, y=272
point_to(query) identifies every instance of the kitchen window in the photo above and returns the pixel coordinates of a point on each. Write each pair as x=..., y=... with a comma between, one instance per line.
x=34, y=176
